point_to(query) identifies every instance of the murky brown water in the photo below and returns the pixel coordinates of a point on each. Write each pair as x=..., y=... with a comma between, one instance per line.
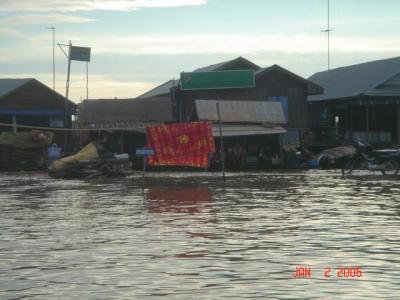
x=192, y=238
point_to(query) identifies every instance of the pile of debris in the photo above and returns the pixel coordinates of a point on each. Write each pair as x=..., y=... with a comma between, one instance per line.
x=334, y=157
x=24, y=151
x=94, y=160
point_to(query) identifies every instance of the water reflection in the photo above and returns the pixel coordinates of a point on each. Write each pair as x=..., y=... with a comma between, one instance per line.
x=188, y=237
x=178, y=200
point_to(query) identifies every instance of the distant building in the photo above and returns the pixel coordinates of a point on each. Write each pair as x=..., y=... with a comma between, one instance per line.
x=273, y=83
x=123, y=120
x=30, y=102
x=284, y=89
x=362, y=101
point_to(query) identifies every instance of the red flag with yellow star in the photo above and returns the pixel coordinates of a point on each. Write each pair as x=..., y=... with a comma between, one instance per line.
x=181, y=144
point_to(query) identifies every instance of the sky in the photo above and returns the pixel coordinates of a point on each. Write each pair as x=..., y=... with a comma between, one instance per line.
x=139, y=44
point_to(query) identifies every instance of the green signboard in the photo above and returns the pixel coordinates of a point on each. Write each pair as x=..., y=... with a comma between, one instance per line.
x=217, y=80
x=80, y=53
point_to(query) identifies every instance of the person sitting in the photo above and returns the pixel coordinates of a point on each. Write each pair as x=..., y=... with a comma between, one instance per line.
x=239, y=155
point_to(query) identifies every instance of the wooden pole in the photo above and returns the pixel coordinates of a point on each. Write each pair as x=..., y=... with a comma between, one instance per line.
x=222, y=153
x=351, y=122
x=398, y=125
x=122, y=142
x=144, y=170
x=14, y=123
x=87, y=80
x=367, y=122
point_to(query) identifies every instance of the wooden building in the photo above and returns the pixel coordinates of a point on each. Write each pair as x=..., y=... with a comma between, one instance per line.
x=361, y=101
x=123, y=121
x=272, y=84
x=30, y=102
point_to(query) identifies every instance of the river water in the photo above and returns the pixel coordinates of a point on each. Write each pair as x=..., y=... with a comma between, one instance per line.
x=188, y=236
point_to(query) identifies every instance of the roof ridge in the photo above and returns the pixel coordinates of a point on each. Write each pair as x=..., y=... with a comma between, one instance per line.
x=357, y=79
x=359, y=64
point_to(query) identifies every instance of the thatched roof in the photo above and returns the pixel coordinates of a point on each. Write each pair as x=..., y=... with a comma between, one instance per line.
x=99, y=112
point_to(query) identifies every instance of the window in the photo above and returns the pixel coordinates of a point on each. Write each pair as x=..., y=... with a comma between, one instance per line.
x=284, y=101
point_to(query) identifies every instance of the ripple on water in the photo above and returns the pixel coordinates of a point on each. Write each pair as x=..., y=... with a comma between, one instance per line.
x=186, y=236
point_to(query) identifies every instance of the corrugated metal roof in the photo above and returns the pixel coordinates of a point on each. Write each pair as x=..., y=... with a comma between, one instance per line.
x=312, y=88
x=241, y=130
x=241, y=111
x=163, y=89
x=8, y=85
x=225, y=65
x=125, y=110
x=354, y=80
x=211, y=68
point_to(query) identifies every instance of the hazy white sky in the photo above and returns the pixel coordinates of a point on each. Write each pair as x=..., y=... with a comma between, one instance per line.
x=138, y=44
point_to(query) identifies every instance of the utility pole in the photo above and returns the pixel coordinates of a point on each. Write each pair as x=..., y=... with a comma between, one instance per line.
x=87, y=80
x=69, y=70
x=54, y=64
x=74, y=53
x=328, y=32
x=221, y=151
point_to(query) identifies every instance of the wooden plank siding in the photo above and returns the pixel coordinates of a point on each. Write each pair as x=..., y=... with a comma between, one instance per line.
x=271, y=84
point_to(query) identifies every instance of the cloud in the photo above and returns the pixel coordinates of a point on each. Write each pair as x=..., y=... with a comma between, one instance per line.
x=104, y=86
x=237, y=43
x=4, y=58
x=12, y=33
x=100, y=85
x=43, y=19
x=90, y=5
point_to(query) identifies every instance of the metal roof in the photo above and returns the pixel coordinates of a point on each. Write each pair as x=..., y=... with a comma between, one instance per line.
x=8, y=85
x=226, y=64
x=242, y=130
x=126, y=111
x=241, y=111
x=163, y=89
x=312, y=88
x=354, y=80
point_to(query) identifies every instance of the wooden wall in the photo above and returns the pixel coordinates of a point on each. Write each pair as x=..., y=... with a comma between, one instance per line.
x=34, y=96
x=271, y=84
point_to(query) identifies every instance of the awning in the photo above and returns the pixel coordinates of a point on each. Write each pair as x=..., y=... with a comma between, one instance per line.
x=29, y=112
x=241, y=111
x=241, y=130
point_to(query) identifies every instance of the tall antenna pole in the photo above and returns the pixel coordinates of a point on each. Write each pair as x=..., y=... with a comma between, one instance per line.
x=54, y=64
x=329, y=36
x=328, y=31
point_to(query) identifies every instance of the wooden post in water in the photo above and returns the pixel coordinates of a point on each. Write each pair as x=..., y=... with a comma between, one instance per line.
x=144, y=170
x=122, y=142
x=222, y=153
x=14, y=124
x=398, y=126
x=367, y=122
